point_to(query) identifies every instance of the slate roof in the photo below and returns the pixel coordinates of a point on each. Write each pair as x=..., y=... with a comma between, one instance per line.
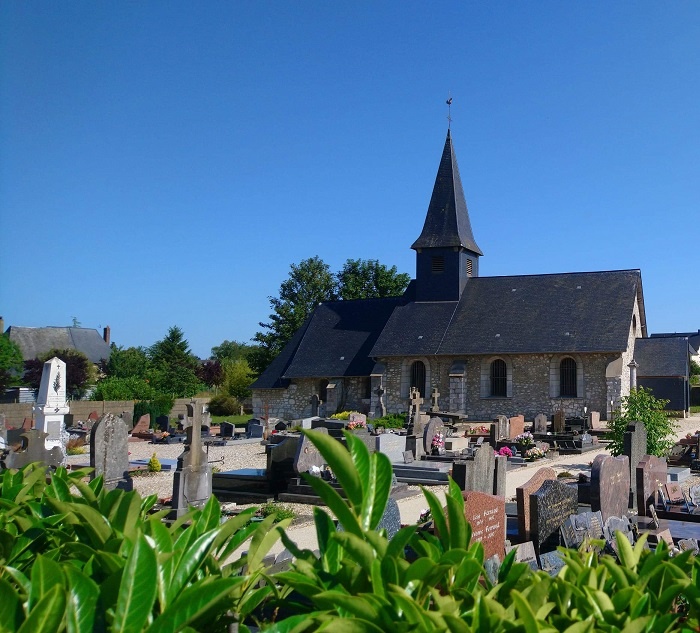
x=693, y=337
x=662, y=356
x=35, y=341
x=559, y=313
x=447, y=221
x=335, y=341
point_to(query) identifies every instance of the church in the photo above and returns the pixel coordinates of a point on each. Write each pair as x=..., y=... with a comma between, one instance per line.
x=523, y=344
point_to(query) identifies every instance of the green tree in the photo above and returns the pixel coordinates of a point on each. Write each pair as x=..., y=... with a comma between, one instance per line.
x=367, y=279
x=173, y=366
x=132, y=362
x=11, y=362
x=118, y=388
x=231, y=350
x=237, y=378
x=642, y=406
x=309, y=283
x=80, y=372
x=694, y=373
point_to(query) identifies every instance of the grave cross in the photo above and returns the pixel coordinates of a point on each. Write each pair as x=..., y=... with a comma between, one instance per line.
x=416, y=400
x=435, y=394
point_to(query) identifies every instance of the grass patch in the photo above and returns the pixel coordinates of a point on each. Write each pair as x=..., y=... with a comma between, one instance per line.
x=238, y=420
x=695, y=409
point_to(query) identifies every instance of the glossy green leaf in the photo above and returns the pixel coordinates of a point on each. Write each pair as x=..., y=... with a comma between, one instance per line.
x=83, y=593
x=193, y=604
x=189, y=562
x=455, y=514
x=438, y=518
x=125, y=514
x=47, y=615
x=335, y=503
x=210, y=516
x=267, y=534
x=340, y=461
x=137, y=589
x=10, y=606
x=361, y=459
x=581, y=627
x=45, y=575
x=356, y=605
x=377, y=490
x=359, y=550
x=401, y=539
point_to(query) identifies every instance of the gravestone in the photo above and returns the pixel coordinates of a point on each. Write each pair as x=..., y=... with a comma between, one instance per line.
x=522, y=498
x=415, y=403
x=434, y=426
x=634, y=445
x=579, y=527
x=357, y=417
x=27, y=424
x=594, y=420
x=516, y=426
x=651, y=473
x=610, y=485
x=408, y=457
x=691, y=544
x=51, y=404
x=226, y=429
x=128, y=417
x=109, y=452
x=163, y=423
x=487, y=515
x=391, y=519
x=281, y=426
x=550, y=506
x=420, y=421
x=525, y=553
x=392, y=445
x=315, y=403
x=192, y=479
x=499, y=430
x=34, y=450
x=255, y=431
x=476, y=474
x=617, y=524
x=143, y=425
x=559, y=421
x=307, y=455
x=499, y=475
x=540, y=423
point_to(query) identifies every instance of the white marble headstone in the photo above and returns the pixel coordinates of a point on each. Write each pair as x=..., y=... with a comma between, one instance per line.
x=52, y=405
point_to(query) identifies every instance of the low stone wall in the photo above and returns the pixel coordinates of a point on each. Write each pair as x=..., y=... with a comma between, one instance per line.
x=81, y=409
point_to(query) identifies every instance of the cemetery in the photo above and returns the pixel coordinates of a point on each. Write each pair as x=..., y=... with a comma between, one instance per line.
x=515, y=504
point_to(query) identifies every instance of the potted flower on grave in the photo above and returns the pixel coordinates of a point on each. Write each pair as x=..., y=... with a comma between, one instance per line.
x=505, y=452
x=534, y=453
x=437, y=446
x=524, y=439
x=357, y=425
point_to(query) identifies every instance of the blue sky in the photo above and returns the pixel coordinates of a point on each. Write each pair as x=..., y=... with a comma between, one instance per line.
x=163, y=163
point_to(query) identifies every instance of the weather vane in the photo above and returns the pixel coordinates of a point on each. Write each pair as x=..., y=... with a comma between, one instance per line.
x=449, y=106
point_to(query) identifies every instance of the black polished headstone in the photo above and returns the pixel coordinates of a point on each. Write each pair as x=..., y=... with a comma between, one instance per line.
x=550, y=506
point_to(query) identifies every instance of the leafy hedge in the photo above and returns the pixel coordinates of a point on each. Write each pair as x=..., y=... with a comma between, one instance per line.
x=77, y=558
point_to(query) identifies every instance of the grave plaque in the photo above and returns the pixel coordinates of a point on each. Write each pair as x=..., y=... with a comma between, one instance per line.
x=651, y=473
x=674, y=494
x=307, y=455
x=391, y=519
x=525, y=553
x=522, y=498
x=579, y=527
x=408, y=457
x=550, y=506
x=665, y=535
x=610, y=485
x=551, y=562
x=635, y=447
x=143, y=425
x=691, y=544
x=499, y=428
x=109, y=452
x=516, y=426
x=540, y=424
x=487, y=516
x=654, y=516
x=614, y=525
x=694, y=495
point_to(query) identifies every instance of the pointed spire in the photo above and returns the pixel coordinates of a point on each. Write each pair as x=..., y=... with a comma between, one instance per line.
x=447, y=222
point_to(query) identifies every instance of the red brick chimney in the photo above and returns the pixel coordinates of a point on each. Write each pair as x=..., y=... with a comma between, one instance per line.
x=107, y=334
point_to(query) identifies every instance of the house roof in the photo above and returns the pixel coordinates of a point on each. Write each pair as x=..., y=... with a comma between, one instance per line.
x=447, y=222
x=35, y=341
x=662, y=356
x=559, y=313
x=693, y=337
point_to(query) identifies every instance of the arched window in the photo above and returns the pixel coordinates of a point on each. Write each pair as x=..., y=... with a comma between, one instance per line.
x=567, y=378
x=418, y=377
x=323, y=390
x=499, y=378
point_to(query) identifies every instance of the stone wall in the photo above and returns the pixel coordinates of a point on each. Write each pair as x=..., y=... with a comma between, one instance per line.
x=80, y=409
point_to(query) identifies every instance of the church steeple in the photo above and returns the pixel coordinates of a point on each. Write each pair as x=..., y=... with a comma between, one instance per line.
x=446, y=251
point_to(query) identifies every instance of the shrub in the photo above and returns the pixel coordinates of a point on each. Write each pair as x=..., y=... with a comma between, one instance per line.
x=224, y=405
x=391, y=421
x=642, y=406
x=75, y=446
x=154, y=464
x=160, y=404
x=343, y=415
